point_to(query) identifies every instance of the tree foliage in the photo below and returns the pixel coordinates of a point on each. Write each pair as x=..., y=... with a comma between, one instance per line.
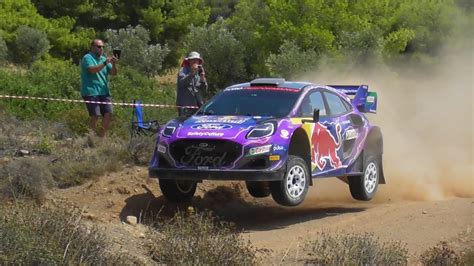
x=30, y=44
x=223, y=54
x=136, y=50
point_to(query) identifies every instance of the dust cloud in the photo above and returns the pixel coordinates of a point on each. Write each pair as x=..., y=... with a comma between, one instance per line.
x=426, y=116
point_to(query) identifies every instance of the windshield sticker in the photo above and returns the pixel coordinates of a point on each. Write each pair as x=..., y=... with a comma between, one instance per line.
x=272, y=89
x=225, y=119
x=206, y=134
x=212, y=126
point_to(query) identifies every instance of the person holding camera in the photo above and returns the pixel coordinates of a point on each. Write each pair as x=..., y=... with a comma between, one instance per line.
x=191, y=84
x=95, y=68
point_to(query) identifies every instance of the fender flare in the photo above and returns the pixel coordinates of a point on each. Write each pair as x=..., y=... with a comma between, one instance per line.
x=374, y=146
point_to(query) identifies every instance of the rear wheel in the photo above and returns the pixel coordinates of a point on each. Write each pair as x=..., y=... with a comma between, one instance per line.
x=292, y=190
x=364, y=187
x=258, y=189
x=178, y=190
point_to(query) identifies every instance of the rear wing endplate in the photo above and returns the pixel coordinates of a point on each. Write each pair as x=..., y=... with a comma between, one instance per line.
x=363, y=100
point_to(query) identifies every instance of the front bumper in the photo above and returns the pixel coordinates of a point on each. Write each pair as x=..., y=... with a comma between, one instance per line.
x=198, y=175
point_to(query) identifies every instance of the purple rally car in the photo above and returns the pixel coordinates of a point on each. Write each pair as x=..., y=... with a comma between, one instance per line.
x=276, y=136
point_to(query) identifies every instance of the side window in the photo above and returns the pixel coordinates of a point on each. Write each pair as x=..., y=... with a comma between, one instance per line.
x=311, y=101
x=335, y=104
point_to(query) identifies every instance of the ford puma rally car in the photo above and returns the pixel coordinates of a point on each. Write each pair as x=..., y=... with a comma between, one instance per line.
x=276, y=136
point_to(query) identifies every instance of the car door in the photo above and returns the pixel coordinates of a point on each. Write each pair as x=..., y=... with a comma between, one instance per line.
x=346, y=132
x=323, y=134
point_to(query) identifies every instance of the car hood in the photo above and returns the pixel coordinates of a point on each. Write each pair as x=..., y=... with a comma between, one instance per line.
x=214, y=126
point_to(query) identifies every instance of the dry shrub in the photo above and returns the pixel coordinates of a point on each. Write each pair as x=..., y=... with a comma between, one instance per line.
x=354, y=249
x=200, y=239
x=26, y=177
x=140, y=149
x=31, y=235
x=87, y=158
x=441, y=254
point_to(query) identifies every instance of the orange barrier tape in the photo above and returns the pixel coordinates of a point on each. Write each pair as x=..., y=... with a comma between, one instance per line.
x=83, y=101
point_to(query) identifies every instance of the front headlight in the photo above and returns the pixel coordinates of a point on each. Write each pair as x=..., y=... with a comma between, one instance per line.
x=168, y=131
x=261, y=131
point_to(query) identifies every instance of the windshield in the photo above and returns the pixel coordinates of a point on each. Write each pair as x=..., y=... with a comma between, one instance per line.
x=252, y=101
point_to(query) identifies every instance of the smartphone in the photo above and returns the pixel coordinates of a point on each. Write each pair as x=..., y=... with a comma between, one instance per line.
x=116, y=52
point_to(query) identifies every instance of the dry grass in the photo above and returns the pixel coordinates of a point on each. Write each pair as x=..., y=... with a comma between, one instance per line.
x=33, y=235
x=354, y=249
x=200, y=239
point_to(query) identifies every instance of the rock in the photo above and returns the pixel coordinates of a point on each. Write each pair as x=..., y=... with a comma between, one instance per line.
x=131, y=220
x=424, y=212
x=23, y=152
x=123, y=190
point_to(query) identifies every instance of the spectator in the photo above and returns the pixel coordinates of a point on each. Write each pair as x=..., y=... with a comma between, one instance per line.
x=191, y=84
x=95, y=68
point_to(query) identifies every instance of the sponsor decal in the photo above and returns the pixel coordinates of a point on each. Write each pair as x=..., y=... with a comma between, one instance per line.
x=277, y=147
x=325, y=146
x=205, y=134
x=370, y=99
x=284, y=133
x=201, y=155
x=351, y=134
x=260, y=150
x=161, y=148
x=212, y=126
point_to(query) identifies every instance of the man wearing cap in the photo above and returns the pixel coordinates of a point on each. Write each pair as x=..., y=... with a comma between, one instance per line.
x=191, y=84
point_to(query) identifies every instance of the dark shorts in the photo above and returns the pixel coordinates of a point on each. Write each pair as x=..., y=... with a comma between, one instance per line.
x=96, y=109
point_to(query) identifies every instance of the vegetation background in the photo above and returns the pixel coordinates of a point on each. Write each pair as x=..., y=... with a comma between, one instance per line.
x=43, y=41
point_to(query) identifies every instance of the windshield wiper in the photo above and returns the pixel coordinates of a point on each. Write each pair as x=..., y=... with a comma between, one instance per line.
x=205, y=113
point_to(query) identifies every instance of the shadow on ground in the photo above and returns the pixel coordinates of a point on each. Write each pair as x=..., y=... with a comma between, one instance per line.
x=229, y=205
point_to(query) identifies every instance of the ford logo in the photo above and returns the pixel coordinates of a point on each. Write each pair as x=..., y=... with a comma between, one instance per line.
x=212, y=126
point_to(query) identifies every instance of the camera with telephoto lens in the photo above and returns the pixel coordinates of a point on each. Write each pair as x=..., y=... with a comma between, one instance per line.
x=200, y=70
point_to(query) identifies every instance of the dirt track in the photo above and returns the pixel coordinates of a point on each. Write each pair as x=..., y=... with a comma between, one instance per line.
x=329, y=208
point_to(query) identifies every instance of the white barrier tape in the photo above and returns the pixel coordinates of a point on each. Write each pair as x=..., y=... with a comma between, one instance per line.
x=84, y=101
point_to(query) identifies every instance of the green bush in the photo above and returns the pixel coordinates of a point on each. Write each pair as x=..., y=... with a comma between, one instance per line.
x=223, y=55
x=354, y=249
x=136, y=50
x=441, y=254
x=288, y=63
x=30, y=44
x=3, y=51
x=27, y=177
x=33, y=235
x=199, y=239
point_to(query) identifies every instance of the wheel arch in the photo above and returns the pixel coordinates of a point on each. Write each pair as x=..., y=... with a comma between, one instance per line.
x=374, y=146
x=301, y=147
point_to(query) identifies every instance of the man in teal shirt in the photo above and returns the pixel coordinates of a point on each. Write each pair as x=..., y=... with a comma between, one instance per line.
x=95, y=68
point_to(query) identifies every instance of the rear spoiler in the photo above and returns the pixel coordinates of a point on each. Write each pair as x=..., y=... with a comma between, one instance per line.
x=363, y=100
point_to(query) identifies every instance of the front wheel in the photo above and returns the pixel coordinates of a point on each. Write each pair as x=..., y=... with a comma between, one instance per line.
x=364, y=187
x=292, y=190
x=178, y=190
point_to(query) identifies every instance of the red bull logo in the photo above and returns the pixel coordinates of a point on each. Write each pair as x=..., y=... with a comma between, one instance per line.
x=325, y=146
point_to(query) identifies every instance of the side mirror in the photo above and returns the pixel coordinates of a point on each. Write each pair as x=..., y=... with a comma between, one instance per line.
x=315, y=117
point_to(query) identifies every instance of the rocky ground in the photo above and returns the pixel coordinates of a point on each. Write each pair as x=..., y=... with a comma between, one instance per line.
x=419, y=223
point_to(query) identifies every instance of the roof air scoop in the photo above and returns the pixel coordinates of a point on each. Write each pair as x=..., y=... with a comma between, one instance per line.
x=267, y=81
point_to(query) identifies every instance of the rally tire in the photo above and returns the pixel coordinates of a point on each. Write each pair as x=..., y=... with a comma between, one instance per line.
x=258, y=189
x=365, y=186
x=178, y=190
x=292, y=189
